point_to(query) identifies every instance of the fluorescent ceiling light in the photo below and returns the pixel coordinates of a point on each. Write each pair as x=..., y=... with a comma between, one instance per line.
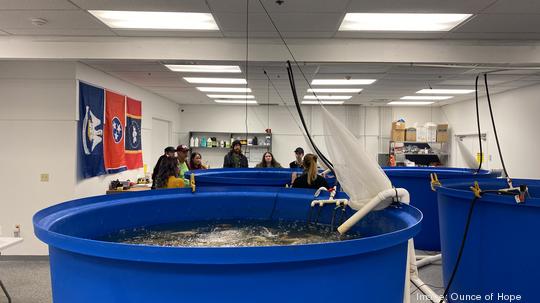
x=401, y=22
x=445, y=91
x=236, y=101
x=426, y=97
x=326, y=97
x=410, y=102
x=224, y=89
x=323, y=102
x=156, y=20
x=215, y=80
x=334, y=90
x=231, y=96
x=204, y=68
x=342, y=81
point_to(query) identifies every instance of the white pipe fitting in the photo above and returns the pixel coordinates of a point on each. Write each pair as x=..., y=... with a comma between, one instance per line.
x=401, y=193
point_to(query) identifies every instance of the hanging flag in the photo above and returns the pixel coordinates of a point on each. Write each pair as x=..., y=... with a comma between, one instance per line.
x=115, y=120
x=91, y=130
x=133, y=134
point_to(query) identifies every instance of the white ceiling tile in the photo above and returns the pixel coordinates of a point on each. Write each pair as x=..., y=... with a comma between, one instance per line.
x=172, y=33
x=145, y=5
x=125, y=66
x=289, y=6
x=514, y=7
x=295, y=22
x=502, y=23
x=419, y=6
x=493, y=36
x=274, y=34
x=38, y=31
x=35, y=4
x=58, y=19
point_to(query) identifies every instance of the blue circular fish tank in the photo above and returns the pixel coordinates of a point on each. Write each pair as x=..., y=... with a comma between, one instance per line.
x=501, y=250
x=248, y=176
x=84, y=269
x=417, y=181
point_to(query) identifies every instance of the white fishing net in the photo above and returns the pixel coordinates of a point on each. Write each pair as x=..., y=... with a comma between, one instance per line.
x=467, y=155
x=360, y=176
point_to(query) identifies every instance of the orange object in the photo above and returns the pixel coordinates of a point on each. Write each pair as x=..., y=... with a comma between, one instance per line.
x=392, y=160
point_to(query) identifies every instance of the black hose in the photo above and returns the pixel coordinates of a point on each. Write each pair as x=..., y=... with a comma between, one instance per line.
x=460, y=253
x=300, y=113
x=494, y=128
x=478, y=124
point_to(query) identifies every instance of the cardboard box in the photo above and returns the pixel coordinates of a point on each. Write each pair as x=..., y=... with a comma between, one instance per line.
x=398, y=125
x=442, y=133
x=398, y=135
x=410, y=134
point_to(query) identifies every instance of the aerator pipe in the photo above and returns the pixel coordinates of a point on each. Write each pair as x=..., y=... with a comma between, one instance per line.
x=401, y=193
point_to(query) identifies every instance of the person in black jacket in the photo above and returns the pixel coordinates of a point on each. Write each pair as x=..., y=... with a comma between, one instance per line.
x=310, y=178
x=235, y=158
x=167, y=153
x=299, y=153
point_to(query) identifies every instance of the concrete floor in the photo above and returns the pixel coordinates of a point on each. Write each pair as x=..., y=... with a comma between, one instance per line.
x=28, y=281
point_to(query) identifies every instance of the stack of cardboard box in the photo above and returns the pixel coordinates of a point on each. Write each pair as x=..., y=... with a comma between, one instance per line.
x=398, y=131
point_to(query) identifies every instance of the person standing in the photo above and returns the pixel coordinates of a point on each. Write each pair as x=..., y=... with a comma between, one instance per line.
x=268, y=161
x=299, y=153
x=181, y=154
x=235, y=158
x=167, y=153
x=310, y=178
x=195, y=161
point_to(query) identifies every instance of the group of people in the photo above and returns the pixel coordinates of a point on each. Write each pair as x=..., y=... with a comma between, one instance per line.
x=171, y=167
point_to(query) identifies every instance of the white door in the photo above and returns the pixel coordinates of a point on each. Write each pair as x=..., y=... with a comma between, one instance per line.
x=161, y=138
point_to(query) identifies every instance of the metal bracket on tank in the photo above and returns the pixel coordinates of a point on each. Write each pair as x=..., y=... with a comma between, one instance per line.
x=434, y=181
x=477, y=191
x=192, y=182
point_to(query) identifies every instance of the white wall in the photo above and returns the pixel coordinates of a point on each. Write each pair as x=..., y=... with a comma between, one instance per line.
x=516, y=115
x=38, y=112
x=370, y=124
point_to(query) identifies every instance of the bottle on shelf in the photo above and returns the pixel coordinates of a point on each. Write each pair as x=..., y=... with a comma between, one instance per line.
x=209, y=142
x=196, y=142
x=203, y=141
x=192, y=142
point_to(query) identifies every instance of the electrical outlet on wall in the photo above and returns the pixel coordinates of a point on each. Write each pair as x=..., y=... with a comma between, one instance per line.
x=44, y=177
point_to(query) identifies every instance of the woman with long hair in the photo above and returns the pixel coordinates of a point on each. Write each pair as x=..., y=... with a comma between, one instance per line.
x=195, y=161
x=167, y=176
x=268, y=161
x=310, y=178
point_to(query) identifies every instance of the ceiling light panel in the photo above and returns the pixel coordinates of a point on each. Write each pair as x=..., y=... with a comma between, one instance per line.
x=342, y=81
x=201, y=80
x=446, y=91
x=156, y=20
x=426, y=97
x=204, y=68
x=224, y=89
x=323, y=102
x=236, y=101
x=334, y=90
x=401, y=22
x=231, y=96
x=326, y=97
x=410, y=103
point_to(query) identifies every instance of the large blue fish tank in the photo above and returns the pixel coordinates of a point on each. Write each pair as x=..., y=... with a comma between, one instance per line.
x=500, y=255
x=84, y=269
x=417, y=181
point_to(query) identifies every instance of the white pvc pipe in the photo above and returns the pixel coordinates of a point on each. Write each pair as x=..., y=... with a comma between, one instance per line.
x=401, y=193
x=433, y=296
x=428, y=260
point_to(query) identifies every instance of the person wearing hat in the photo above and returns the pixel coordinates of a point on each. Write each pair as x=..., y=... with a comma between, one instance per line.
x=167, y=153
x=299, y=153
x=181, y=154
x=235, y=158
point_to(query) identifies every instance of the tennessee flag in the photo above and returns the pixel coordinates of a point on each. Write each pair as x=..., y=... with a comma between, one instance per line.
x=133, y=134
x=114, y=132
